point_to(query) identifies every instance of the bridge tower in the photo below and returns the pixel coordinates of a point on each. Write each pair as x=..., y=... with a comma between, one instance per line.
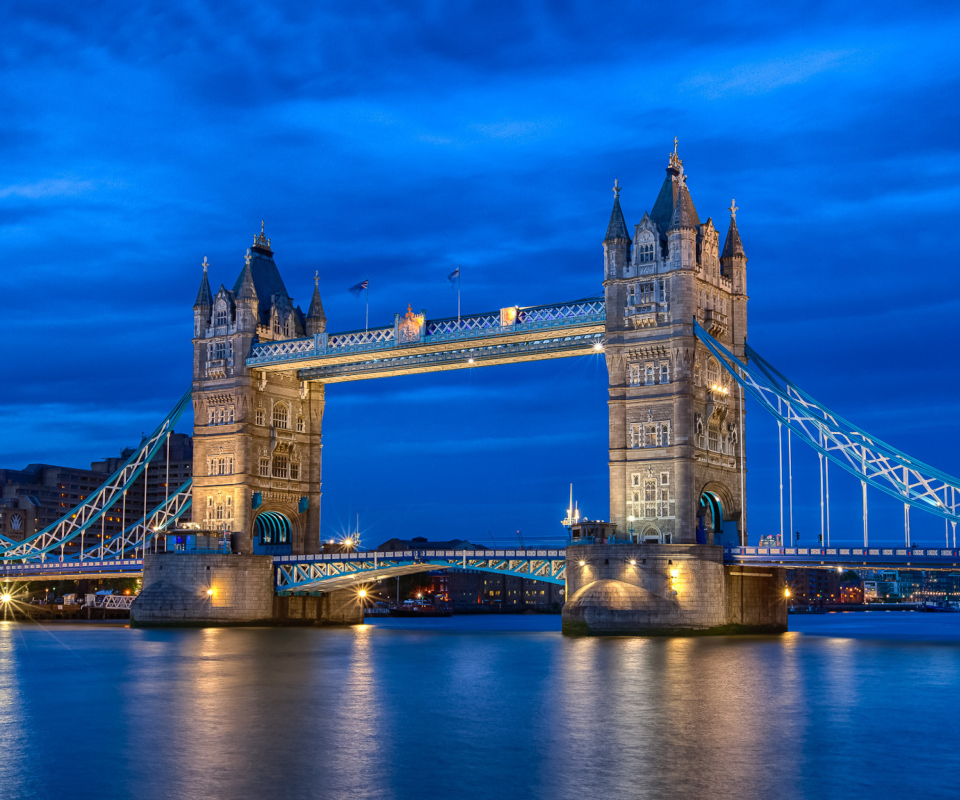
x=676, y=424
x=257, y=436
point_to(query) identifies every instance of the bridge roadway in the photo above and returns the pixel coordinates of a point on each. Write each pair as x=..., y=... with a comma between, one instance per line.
x=415, y=344
x=330, y=571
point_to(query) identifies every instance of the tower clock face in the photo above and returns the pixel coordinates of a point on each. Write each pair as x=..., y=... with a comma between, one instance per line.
x=16, y=522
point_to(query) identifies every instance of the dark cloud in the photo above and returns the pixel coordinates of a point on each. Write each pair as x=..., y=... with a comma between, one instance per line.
x=391, y=141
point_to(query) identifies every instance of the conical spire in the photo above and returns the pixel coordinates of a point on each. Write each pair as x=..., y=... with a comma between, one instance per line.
x=617, y=228
x=316, y=319
x=733, y=246
x=204, y=296
x=674, y=187
x=684, y=214
x=245, y=288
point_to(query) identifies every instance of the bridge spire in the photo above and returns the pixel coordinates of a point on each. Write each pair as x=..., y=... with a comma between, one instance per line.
x=733, y=247
x=617, y=227
x=204, y=296
x=316, y=319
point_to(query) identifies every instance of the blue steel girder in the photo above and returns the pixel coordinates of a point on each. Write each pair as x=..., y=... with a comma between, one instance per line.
x=872, y=461
x=844, y=557
x=89, y=512
x=297, y=573
x=419, y=345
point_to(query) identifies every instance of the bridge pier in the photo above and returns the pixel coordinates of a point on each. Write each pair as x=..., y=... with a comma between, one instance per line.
x=215, y=589
x=668, y=590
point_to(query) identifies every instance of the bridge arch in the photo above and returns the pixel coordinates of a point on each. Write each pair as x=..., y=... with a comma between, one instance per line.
x=273, y=531
x=715, y=505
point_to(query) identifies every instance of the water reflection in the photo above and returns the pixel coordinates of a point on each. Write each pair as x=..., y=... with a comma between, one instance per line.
x=473, y=708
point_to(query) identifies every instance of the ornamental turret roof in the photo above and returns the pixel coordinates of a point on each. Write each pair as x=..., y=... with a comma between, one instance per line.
x=315, y=313
x=260, y=280
x=733, y=246
x=617, y=227
x=674, y=187
x=204, y=296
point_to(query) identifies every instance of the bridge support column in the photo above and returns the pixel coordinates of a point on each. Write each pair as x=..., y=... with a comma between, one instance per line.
x=669, y=590
x=213, y=589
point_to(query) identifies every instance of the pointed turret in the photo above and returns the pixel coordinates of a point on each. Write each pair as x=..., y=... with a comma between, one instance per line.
x=245, y=288
x=733, y=247
x=617, y=227
x=316, y=319
x=673, y=188
x=684, y=214
x=245, y=292
x=733, y=259
x=204, y=296
x=616, y=244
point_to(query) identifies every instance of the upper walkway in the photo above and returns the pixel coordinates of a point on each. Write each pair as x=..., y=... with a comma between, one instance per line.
x=415, y=344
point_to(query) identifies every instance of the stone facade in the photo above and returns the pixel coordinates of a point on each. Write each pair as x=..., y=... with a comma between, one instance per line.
x=212, y=589
x=676, y=425
x=257, y=435
x=657, y=589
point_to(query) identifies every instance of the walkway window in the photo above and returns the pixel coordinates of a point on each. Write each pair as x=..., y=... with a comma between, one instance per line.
x=280, y=415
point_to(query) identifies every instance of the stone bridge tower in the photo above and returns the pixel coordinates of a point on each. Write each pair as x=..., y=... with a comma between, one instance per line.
x=676, y=424
x=257, y=437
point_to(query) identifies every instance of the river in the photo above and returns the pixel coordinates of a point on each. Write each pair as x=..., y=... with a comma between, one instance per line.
x=845, y=705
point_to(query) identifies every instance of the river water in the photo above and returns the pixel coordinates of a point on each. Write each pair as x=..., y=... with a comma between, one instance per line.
x=844, y=705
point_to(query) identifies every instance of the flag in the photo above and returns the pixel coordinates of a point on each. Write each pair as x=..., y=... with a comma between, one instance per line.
x=360, y=288
x=454, y=276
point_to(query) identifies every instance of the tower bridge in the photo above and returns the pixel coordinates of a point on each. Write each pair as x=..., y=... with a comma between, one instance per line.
x=671, y=324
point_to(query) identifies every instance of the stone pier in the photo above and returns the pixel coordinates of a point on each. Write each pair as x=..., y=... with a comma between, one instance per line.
x=199, y=589
x=668, y=590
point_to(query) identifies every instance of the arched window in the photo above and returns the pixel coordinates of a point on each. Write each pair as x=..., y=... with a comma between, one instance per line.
x=280, y=466
x=221, y=313
x=259, y=416
x=713, y=373
x=276, y=323
x=279, y=415
x=645, y=252
x=294, y=470
x=300, y=425
x=288, y=328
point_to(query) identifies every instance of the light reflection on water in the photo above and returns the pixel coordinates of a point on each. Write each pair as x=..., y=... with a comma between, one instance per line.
x=480, y=707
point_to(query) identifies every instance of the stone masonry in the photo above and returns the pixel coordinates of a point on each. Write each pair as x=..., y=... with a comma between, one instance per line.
x=676, y=427
x=657, y=589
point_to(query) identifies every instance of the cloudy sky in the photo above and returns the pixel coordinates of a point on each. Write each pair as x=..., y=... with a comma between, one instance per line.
x=391, y=141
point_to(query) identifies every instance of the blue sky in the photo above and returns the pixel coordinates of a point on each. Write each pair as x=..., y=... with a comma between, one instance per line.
x=390, y=141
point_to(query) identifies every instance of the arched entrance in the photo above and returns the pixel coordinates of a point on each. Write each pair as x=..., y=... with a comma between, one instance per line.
x=272, y=533
x=709, y=518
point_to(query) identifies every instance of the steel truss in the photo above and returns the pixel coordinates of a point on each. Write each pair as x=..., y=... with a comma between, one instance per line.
x=310, y=573
x=89, y=512
x=874, y=462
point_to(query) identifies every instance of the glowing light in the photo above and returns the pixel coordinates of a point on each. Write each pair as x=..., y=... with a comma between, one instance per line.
x=598, y=346
x=362, y=593
x=583, y=563
x=469, y=360
x=209, y=592
x=6, y=598
x=786, y=592
x=633, y=562
x=674, y=573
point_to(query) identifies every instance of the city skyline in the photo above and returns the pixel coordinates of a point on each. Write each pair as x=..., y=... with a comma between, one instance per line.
x=477, y=158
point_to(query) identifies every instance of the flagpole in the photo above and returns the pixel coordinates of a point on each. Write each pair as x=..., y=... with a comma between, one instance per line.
x=458, y=295
x=366, y=322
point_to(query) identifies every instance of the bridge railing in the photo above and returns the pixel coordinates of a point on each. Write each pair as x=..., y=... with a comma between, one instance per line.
x=554, y=316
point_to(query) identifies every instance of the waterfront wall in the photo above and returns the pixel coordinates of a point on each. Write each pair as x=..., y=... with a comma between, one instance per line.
x=218, y=589
x=632, y=589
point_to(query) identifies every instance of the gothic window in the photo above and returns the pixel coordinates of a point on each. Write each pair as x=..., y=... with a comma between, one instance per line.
x=663, y=503
x=649, y=498
x=300, y=426
x=664, y=294
x=294, y=470
x=219, y=350
x=645, y=252
x=696, y=371
x=631, y=294
x=219, y=416
x=288, y=328
x=221, y=314
x=713, y=372
x=264, y=467
x=259, y=416
x=634, y=374
x=699, y=427
x=230, y=465
x=664, y=372
x=650, y=434
x=280, y=465
x=230, y=415
x=648, y=375
x=279, y=415
x=212, y=416
x=229, y=508
x=713, y=438
x=635, y=479
x=646, y=293
x=276, y=323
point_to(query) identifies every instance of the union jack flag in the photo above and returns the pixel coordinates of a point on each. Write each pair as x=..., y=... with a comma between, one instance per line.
x=360, y=288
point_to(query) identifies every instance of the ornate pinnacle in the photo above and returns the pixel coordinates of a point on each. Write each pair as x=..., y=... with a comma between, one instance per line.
x=204, y=265
x=261, y=240
x=316, y=279
x=733, y=209
x=616, y=188
x=674, y=158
